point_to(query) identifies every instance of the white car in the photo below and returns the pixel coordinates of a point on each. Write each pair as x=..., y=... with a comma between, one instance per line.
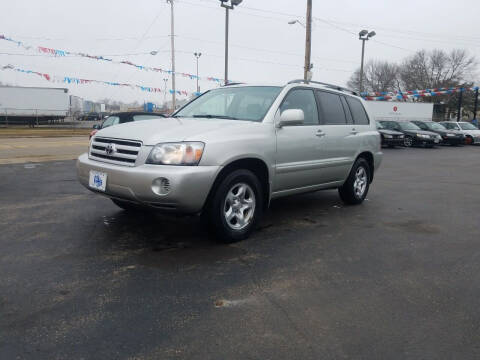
x=472, y=133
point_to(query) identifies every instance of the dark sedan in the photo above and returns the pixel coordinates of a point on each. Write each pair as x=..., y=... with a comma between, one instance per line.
x=124, y=117
x=390, y=138
x=414, y=136
x=450, y=137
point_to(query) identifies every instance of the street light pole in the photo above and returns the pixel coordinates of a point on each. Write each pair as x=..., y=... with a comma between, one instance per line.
x=227, y=12
x=361, y=65
x=197, y=56
x=228, y=5
x=308, y=43
x=364, y=35
x=172, y=33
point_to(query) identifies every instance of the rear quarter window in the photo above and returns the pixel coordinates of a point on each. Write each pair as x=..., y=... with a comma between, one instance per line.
x=359, y=114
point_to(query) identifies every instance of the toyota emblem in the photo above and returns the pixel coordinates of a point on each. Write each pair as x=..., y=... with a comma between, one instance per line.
x=110, y=149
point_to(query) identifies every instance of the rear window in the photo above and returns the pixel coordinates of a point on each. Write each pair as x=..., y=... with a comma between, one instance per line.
x=359, y=114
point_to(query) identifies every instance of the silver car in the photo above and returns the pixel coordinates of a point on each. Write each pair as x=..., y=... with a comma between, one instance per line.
x=229, y=152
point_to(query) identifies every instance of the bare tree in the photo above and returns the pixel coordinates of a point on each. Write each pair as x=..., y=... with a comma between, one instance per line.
x=379, y=76
x=436, y=69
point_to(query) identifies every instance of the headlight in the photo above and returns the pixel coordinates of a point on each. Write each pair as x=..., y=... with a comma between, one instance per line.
x=400, y=136
x=184, y=153
x=423, y=136
x=387, y=136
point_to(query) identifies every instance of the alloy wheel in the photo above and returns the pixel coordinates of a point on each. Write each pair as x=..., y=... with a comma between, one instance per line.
x=360, y=182
x=239, y=206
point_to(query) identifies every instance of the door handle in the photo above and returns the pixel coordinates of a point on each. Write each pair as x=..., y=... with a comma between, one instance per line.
x=354, y=132
x=320, y=133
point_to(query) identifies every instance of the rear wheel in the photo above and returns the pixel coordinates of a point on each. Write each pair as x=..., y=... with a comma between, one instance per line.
x=355, y=189
x=236, y=206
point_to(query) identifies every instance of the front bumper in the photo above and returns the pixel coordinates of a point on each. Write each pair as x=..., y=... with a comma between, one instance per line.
x=476, y=140
x=392, y=141
x=426, y=142
x=453, y=140
x=189, y=185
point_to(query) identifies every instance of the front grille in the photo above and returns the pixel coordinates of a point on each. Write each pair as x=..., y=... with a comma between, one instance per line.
x=115, y=151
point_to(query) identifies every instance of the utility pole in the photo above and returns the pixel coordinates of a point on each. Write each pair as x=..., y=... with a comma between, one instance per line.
x=475, y=106
x=197, y=56
x=172, y=33
x=165, y=92
x=308, y=43
x=459, y=112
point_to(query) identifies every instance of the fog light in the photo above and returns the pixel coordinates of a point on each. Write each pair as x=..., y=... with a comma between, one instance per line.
x=161, y=186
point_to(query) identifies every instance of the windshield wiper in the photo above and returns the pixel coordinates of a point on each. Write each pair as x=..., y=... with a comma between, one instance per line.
x=208, y=116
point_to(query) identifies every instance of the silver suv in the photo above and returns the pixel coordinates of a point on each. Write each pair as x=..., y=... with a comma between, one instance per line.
x=230, y=151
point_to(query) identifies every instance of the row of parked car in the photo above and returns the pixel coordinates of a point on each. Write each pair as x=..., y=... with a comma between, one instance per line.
x=427, y=133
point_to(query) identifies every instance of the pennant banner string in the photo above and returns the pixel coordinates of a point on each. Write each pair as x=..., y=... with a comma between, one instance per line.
x=78, y=81
x=413, y=94
x=64, y=53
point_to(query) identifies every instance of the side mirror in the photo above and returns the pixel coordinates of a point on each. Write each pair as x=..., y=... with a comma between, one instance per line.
x=291, y=117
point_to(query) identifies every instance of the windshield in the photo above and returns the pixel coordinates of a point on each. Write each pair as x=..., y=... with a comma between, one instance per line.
x=379, y=125
x=435, y=126
x=242, y=103
x=408, y=126
x=451, y=126
x=111, y=120
x=467, y=126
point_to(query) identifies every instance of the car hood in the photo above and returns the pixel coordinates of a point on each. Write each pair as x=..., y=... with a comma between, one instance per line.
x=155, y=131
x=389, y=132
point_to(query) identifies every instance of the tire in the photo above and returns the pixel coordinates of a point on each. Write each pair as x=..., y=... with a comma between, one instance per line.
x=408, y=141
x=468, y=140
x=127, y=206
x=355, y=189
x=235, y=207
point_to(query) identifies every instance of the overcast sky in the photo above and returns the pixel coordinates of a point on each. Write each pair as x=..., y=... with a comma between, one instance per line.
x=264, y=48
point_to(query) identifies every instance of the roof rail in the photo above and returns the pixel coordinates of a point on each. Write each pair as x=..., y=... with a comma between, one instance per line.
x=233, y=83
x=330, y=86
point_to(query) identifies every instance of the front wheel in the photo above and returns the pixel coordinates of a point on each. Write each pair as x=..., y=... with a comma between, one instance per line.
x=355, y=189
x=408, y=141
x=236, y=206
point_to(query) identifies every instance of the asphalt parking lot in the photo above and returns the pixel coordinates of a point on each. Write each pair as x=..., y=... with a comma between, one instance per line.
x=395, y=278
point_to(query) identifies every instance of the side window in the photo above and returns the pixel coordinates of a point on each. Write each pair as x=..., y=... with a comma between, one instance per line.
x=302, y=99
x=359, y=114
x=332, y=108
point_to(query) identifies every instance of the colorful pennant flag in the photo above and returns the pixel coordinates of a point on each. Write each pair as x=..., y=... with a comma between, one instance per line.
x=64, y=53
x=79, y=81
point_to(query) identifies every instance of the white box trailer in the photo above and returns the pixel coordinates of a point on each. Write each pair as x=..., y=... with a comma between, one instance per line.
x=22, y=104
x=403, y=111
